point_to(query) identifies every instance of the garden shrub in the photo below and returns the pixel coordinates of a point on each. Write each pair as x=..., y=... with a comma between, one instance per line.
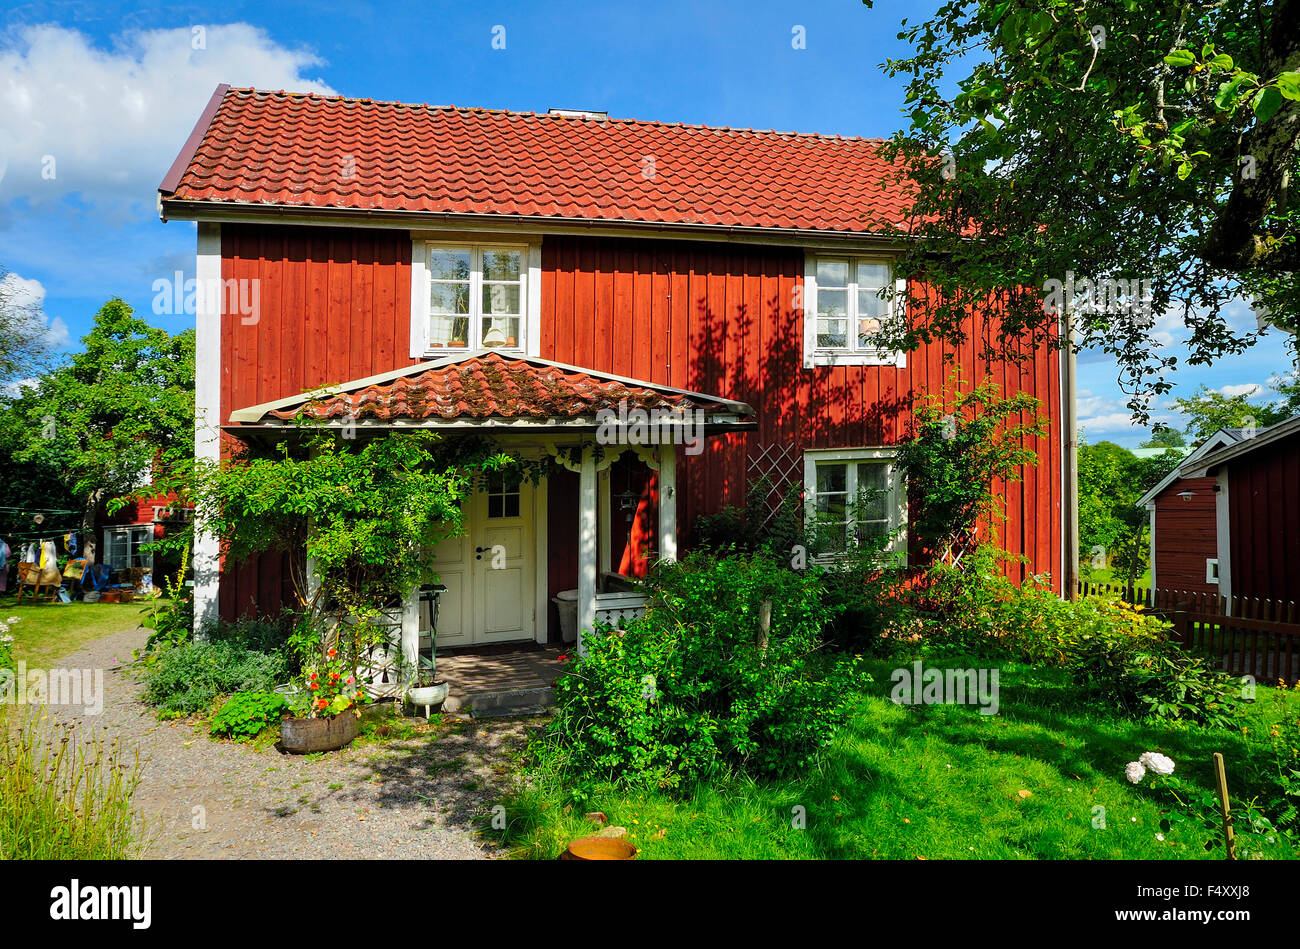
x=1119, y=653
x=269, y=634
x=689, y=688
x=247, y=714
x=187, y=679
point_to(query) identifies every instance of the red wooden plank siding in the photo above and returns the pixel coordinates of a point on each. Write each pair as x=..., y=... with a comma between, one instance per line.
x=1186, y=535
x=1264, y=510
x=334, y=305
x=743, y=339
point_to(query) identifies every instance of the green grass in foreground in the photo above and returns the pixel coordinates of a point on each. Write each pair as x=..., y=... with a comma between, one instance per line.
x=47, y=631
x=925, y=782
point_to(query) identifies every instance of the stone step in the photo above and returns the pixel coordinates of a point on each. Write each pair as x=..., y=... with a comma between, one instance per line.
x=489, y=704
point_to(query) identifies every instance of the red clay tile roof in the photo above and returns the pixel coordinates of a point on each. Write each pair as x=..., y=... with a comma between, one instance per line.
x=324, y=152
x=490, y=386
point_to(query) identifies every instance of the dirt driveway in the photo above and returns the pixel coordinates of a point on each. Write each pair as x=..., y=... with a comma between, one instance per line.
x=417, y=798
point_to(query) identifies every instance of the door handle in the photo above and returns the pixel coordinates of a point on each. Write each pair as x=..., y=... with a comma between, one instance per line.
x=478, y=553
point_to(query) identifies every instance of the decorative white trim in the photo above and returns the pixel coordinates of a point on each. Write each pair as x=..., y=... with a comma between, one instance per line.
x=1211, y=570
x=898, y=523
x=812, y=356
x=206, y=557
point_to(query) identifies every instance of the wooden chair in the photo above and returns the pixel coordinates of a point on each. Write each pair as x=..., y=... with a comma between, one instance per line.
x=31, y=575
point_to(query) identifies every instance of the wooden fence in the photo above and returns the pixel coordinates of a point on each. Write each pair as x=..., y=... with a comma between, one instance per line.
x=1242, y=635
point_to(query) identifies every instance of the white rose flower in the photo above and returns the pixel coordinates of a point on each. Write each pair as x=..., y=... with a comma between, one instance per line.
x=1135, y=772
x=1154, y=761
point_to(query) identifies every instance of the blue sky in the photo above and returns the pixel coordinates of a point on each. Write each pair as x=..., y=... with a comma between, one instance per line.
x=97, y=98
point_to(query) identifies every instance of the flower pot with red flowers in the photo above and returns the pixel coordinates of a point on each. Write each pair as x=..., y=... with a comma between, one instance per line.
x=326, y=715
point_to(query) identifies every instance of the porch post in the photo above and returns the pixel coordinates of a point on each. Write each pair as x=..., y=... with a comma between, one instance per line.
x=411, y=634
x=668, y=502
x=586, y=546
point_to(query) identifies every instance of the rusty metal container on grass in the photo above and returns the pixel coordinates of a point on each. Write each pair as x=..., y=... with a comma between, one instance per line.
x=599, y=848
x=302, y=736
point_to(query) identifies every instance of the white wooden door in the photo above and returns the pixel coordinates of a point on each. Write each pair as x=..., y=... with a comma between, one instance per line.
x=488, y=570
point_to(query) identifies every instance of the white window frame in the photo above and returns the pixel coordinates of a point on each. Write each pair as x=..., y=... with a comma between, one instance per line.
x=850, y=355
x=530, y=309
x=133, y=545
x=896, y=506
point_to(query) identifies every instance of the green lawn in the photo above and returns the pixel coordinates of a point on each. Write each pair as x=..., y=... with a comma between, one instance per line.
x=925, y=782
x=48, y=631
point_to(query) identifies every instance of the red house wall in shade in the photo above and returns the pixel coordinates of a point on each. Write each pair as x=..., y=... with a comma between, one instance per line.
x=1186, y=535
x=1264, y=513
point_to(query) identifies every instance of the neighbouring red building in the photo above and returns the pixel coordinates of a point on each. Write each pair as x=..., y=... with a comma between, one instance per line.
x=124, y=533
x=518, y=274
x=1227, y=520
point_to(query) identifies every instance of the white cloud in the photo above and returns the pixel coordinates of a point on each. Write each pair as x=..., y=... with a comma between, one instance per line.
x=1246, y=389
x=108, y=123
x=26, y=299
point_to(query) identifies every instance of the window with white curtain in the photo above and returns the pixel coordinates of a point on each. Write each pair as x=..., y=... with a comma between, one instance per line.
x=477, y=297
x=848, y=300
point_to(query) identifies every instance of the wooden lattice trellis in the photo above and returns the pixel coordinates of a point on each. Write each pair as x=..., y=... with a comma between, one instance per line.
x=781, y=465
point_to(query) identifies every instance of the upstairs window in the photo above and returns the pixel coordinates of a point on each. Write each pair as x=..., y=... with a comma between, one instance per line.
x=847, y=301
x=477, y=298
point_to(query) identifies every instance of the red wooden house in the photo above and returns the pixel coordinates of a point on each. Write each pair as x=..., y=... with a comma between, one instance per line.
x=125, y=532
x=1227, y=520
x=516, y=274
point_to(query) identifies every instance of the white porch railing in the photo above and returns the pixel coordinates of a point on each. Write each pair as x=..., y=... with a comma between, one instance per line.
x=618, y=609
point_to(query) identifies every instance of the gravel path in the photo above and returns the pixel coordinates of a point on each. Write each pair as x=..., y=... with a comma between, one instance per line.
x=414, y=798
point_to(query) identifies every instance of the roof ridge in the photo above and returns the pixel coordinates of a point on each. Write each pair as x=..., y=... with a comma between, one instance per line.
x=655, y=123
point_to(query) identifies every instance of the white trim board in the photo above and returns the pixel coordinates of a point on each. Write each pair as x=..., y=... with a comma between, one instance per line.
x=1219, y=438
x=206, y=558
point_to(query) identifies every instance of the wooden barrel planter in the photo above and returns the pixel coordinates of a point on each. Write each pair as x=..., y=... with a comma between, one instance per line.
x=302, y=736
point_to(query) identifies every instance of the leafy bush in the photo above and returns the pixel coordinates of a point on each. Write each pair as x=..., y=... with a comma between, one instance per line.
x=171, y=616
x=691, y=688
x=757, y=526
x=255, y=634
x=1124, y=658
x=187, y=679
x=1120, y=654
x=247, y=714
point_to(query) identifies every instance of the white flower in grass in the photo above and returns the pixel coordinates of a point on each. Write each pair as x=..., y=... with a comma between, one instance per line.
x=1156, y=762
x=13, y=619
x=1160, y=837
x=1135, y=772
x=4, y=628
